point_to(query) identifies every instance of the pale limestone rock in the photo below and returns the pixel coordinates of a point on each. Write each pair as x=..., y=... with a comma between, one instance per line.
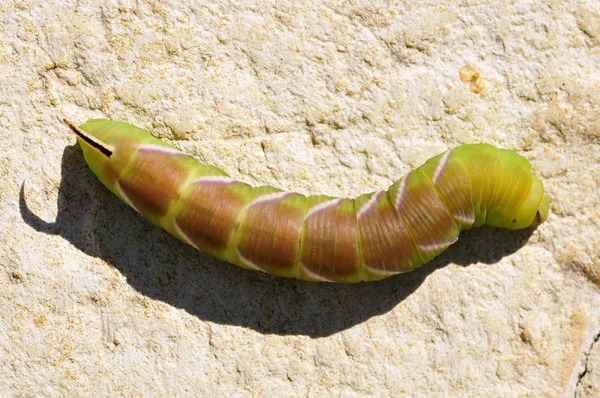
x=337, y=98
x=589, y=383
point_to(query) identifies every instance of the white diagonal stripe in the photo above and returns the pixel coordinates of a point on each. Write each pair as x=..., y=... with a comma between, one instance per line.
x=221, y=180
x=313, y=275
x=470, y=219
x=249, y=263
x=441, y=166
x=323, y=206
x=184, y=236
x=271, y=197
x=383, y=272
x=401, y=192
x=369, y=205
x=437, y=245
x=161, y=149
x=125, y=198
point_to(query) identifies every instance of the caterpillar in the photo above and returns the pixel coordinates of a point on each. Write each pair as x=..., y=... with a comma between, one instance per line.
x=317, y=237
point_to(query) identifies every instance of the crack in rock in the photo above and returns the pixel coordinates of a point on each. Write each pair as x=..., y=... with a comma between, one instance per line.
x=585, y=365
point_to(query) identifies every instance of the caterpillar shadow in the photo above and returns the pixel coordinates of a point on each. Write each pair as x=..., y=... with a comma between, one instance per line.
x=161, y=267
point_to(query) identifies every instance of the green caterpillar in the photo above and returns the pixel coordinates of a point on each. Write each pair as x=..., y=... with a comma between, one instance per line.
x=315, y=238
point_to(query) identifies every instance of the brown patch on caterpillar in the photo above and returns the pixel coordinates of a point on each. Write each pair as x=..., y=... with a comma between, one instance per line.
x=152, y=180
x=468, y=74
x=200, y=202
x=387, y=247
x=425, y=216
x=105, y=149
x=329, y=248
x=272, y=221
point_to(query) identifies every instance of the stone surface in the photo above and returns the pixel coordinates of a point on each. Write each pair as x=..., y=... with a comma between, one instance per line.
x=589, y=380
x=320, y=97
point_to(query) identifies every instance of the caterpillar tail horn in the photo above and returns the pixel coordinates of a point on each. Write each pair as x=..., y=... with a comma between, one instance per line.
x=105, y=149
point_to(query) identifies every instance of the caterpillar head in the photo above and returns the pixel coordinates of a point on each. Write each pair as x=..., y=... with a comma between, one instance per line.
x=532, y=210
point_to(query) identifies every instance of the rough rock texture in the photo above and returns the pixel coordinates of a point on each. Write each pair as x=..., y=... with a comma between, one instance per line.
x=589, y=383
x=319, y=97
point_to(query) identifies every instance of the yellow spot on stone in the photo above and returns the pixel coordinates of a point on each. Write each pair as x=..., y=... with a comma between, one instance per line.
x=477, y=86
x=468, y=74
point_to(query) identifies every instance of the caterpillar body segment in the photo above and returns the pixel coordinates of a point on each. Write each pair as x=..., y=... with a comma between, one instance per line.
x=315, y=238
